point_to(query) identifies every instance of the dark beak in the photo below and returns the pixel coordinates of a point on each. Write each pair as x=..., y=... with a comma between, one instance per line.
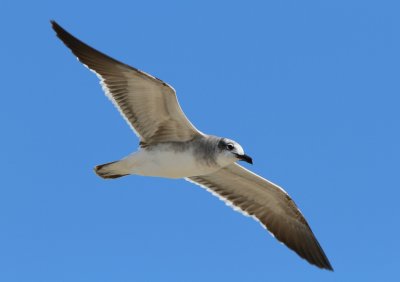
x=245, y=158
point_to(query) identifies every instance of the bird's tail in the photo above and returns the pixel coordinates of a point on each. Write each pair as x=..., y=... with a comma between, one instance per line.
x=111, y=170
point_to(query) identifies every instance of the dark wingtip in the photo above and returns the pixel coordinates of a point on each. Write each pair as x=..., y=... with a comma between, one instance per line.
x=60, y=32
x=57, y=28
x=317, y=256
x=324, y=265
x=54, y=24
x=328, y=266
x=322, y=261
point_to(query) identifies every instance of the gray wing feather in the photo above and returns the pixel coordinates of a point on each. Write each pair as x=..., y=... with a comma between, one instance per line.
x=270, y=205
x=148, y=104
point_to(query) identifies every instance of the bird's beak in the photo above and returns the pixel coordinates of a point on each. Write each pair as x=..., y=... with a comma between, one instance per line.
x=245, y=158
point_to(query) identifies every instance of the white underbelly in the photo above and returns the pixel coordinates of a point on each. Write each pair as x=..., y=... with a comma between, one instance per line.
x=168, y=164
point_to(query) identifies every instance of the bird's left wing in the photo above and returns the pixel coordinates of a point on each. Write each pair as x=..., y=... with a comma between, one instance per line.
x=148, y=104
x=269, y=204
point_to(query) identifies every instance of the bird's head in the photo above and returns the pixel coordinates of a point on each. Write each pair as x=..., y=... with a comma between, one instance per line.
x=231, y=151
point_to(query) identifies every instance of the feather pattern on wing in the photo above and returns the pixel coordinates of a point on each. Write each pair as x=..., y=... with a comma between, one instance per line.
x=267, y=203
x=148, y=104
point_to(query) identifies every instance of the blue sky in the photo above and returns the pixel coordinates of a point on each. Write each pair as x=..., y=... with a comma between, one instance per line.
x=309, y=88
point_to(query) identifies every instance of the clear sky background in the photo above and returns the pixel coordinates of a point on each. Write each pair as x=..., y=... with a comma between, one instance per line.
x=309, y=88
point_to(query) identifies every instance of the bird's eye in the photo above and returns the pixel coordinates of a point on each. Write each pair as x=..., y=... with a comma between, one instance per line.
x=230, y=147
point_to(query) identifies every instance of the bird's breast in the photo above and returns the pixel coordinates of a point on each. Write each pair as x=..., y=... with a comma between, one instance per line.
x=164, y=162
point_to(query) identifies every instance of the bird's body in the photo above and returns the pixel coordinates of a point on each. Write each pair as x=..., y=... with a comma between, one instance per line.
x=169, y=160
x=171, y=147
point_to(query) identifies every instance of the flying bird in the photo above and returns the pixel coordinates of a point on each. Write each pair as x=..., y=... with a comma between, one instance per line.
x=170, y=146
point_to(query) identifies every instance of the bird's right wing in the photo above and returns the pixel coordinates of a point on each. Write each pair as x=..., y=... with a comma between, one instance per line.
x=148, y=104
x=269, y=204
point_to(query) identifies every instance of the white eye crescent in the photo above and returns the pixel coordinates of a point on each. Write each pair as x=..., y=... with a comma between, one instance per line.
x=230, y=146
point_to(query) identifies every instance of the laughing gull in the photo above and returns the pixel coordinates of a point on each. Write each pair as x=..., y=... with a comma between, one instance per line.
x=171, y=147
